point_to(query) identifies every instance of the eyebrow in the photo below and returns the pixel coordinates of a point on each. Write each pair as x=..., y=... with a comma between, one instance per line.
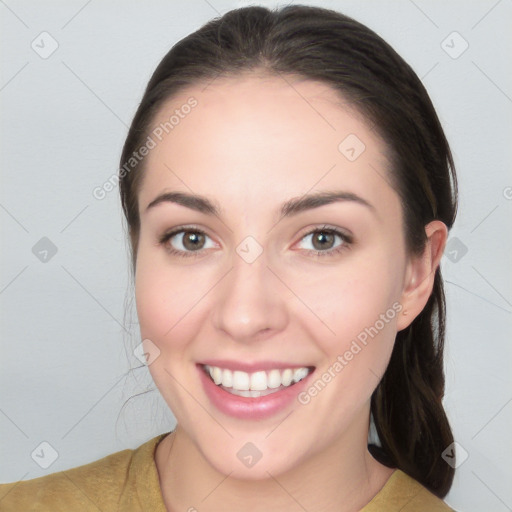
x=290, y=208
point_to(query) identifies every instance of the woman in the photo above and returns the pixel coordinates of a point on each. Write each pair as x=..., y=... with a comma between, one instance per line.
x=288, y=190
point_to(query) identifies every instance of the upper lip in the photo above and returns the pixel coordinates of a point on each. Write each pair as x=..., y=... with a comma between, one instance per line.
x=252, y=366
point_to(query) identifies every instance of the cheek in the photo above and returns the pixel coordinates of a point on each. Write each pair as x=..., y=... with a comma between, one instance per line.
x=165, y=307
x=359, y=305
x=163, y=296
x=350, y=298
x=361, y=309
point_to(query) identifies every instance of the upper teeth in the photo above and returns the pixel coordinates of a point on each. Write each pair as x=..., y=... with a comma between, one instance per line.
x=258, y=381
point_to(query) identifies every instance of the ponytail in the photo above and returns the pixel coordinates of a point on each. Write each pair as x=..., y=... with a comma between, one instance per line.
x=406, y=405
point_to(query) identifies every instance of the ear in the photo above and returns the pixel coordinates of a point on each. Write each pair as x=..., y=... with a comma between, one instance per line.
x=420, y=274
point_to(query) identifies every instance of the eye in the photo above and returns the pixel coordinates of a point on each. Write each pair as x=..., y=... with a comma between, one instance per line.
x=185, y=241
x=323, y=241
x=191, y=241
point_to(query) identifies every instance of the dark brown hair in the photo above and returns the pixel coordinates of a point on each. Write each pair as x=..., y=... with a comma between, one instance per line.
x=326, y=46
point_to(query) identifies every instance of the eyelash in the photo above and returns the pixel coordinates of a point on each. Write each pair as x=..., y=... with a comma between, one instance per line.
x=347, y=241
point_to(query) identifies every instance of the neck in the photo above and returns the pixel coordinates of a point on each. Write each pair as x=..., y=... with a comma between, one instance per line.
x=342, y=478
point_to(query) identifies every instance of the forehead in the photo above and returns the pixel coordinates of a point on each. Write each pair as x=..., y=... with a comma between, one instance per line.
x=265, y=99
x=258, y=137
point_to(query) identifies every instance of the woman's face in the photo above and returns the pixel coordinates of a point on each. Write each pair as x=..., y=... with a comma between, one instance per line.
x=247, y=293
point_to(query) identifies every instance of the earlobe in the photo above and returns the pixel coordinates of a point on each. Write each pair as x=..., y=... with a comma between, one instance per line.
x=421, y=272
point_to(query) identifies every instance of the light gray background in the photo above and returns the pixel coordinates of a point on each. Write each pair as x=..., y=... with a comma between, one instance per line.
x=65, y=353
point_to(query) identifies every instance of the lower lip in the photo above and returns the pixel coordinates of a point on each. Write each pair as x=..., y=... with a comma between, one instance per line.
x=251, y=408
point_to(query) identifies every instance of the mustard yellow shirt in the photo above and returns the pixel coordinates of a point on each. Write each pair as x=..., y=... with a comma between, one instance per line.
x=127, y=481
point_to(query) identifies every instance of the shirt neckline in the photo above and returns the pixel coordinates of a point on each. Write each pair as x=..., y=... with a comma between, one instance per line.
x=149, y=493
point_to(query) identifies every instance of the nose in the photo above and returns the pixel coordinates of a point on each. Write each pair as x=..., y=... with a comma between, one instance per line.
x=249, y=302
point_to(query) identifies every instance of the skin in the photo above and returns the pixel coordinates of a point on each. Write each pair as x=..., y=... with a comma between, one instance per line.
x=250, y=156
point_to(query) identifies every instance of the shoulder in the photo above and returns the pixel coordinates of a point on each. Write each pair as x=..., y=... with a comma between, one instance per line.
x=80, y=487
x=403, y=493
x=99, y=485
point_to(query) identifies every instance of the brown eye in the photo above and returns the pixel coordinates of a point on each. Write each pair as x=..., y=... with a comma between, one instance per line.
x=192, y=240
x=186, y=242
x=323, y=240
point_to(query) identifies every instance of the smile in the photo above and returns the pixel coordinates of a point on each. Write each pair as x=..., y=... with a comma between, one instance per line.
x=253, y=395
x=260, y=383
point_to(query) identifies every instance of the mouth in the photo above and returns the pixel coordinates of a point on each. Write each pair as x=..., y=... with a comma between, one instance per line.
x=253, y=394
x=256, y=384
